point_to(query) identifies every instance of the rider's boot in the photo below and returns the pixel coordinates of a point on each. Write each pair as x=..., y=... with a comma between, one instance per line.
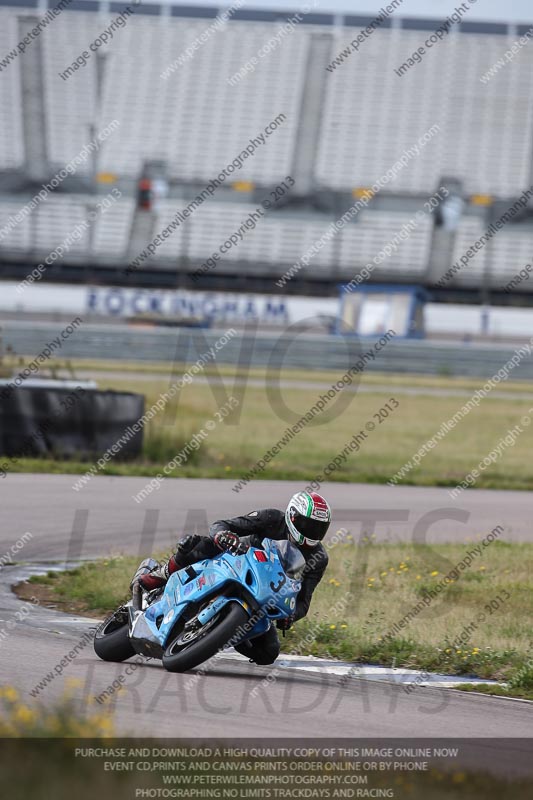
x=245, y=649
x=158, y=577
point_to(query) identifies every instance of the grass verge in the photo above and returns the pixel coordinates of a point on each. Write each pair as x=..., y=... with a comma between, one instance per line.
x=228, y=449
x=385, y=583
x=497, y=691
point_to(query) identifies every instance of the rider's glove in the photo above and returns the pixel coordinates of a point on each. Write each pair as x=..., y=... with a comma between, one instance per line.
x=185, y=546
x=227, y=542
x=285, y=624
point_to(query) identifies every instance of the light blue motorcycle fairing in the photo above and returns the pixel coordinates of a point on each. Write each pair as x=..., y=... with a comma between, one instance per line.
x=265, y=585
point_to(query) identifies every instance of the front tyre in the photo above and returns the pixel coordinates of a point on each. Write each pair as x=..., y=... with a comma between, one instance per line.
x=111, y=640
x=187, y=650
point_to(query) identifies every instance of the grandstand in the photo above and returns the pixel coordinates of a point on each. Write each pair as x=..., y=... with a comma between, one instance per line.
x=343, y=129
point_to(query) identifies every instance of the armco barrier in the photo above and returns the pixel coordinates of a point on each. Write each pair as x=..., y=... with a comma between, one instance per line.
x=306, y=351
x=62, y=422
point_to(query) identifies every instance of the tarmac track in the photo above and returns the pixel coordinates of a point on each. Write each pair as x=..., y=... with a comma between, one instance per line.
x=102, y=519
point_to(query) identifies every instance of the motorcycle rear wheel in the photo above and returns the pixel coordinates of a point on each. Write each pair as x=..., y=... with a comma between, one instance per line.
x=111, y=640
x=182, y=657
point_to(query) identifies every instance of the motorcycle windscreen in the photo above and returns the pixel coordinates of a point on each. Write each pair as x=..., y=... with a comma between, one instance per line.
x=291, y=559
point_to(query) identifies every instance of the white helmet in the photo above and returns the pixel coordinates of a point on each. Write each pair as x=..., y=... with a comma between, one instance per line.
x=308, y=517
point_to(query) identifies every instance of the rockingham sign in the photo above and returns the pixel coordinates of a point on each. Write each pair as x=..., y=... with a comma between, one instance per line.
x=189, y=306
x=229, y=308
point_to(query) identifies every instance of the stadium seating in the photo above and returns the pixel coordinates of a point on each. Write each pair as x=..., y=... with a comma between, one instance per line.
x=374, y=230
x=112, y=229
x=61, y=219
x=197, y=122
x=498, y=261
x=372, y=115
x=194, y=120
x=489, y=131
x=11, y=142
x=70, y=104
x=278, y=239
x=282, y=239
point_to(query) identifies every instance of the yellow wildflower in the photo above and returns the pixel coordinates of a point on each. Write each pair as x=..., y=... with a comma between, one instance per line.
x=25, y=715
x=9, y=693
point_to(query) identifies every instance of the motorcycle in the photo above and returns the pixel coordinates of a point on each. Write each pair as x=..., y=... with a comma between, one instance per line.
x=203, y=608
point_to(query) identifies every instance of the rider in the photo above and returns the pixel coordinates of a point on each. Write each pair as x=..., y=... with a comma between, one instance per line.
x=304, y=523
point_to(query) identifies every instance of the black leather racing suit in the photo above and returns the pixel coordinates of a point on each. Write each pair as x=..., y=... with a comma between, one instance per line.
x=270, y=523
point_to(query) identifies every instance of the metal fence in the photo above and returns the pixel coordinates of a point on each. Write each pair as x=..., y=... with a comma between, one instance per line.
x=259, y=349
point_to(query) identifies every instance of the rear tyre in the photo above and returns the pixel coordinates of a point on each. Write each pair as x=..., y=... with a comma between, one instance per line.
x=182, y=655
x=111, y=641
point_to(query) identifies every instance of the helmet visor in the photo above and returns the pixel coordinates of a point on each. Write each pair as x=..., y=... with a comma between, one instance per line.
x=312, y=530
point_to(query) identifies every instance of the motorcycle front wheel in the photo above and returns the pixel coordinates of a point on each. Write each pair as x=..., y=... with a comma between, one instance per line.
x=189, y=648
